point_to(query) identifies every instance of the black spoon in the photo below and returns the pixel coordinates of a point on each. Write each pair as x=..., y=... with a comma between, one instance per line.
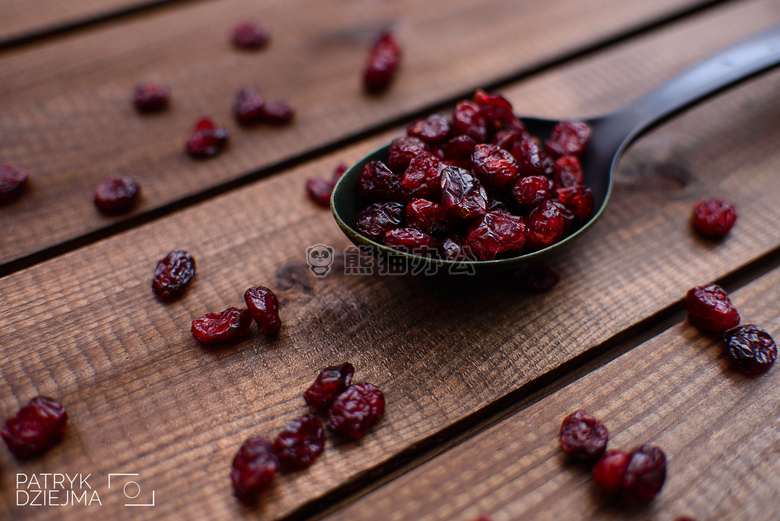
x=612, y=133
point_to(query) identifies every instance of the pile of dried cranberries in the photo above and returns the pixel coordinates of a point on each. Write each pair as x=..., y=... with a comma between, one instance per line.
x=476, y=185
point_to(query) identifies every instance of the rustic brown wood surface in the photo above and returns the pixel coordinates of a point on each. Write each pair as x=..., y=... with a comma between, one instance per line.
x=65, y=114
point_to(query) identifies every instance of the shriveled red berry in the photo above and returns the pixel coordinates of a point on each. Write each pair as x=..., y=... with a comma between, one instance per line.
x=230, y=324
x=378, y=183
x=609, y=471
x=277, y=112
x=151, y=96
x=468, y=119
x=531, y=190
x=249, y=105
x=568, y=172
x=300, y=443
x=412, y=241
x=714, y=217
x=254, y=468
x=497, y=110
x=569, y=137
x=645, y=473
x=427, y=216
x=710, y=308
x=12, y=182
x=382, y=64
x=35, y=428
x=264, y=308
x=339, y=171
x=377, y=219
x=331, y=382
x=545, y=225
x=583, y=436
x=495, y=233
x=578, y=199
x=530, y=155
x=433, y=129
x=422, y=177
x=459, y=149
x=402, y=150
x=452, y=248
x=507, y=138
x=536, y=278
x=173, y=274
x=494, y=166
x=207, y=139
x=751, y=348
x=250, y=35
x=117, y=195
x=320, y=190
x=356, y=410
x=462, y=195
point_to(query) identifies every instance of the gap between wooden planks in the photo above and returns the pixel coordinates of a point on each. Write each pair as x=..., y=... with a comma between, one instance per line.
x=65, y=114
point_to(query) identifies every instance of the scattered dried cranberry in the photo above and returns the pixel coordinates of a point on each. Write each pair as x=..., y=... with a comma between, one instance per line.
x=569, y=137
x=331, y=382
x=609, y=471
x=250, y=35
x=462, y=195
x=751, y=348
x=583, y=436
x=710, y=308
x=277, y=112
x=219, y=327
x=319, y=191
x=264, y=308
x=377, y=219
x=36, y=428
x=254, y=468
x=173, y=274
x=117, y=195
x=300, y=442
x=249, y=105
x=495, y=233
x=383, y=61
x=151, y=96
x=207, y=139
x=356, y=410
x=12, y=182
x=645, y=474
x=714, y=217
x=433, y=129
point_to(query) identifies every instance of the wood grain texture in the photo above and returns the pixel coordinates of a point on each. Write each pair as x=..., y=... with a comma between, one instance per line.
x=65, y=114
x=718, y=428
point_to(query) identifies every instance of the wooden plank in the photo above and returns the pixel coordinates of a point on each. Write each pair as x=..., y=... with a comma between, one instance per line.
x=65, y=115
x=718, y=428
x=145, y=398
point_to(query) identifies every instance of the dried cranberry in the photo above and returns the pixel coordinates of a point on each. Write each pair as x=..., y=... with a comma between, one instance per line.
x=432, y=129
x=264, y=308
x=426, y=216
x=583, y=436
x=320, y=190
x=609, y=471
x=249, y=105
x=412, y=241
x=250, y=35
x=383, y=61
x=507, y=138
x=173, y=274
x=117, y=195
x=578, y=199
x=356, y=410
x=151, y=96
x=378, y=182
x=277, y=112
x=339, y=171
x=494, y=234
x=254, y=468
x=207, y=139
x=468, y=119
x=568, y=171
x=536, y=278
x=12, y=182
x=545, y=225
x=751, y=348
x=377, y=219
x=494, y=166
x=452, y=249
x=531, y=190
x=402, y=150
x=36, y=427
x=496, y=109
x=422, y=177
x=645, y=474
x=300, y=443
x=530, y=156
x=331, y=382
x=459, y=149
x=462, y=196
x=218, y=327
x=714, y=217
x=569, y=137
x=709, y=308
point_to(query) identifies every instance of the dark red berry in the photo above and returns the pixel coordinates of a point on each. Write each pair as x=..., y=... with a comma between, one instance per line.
x=250, y=35
x=508, y=138
x=300, y=443
x=497, y=110
x=427, y=216
x=433, y=129
x=382, y=64
x=494, y=166
x=531, y=190
x=583, y=436
x=249, y=106
x=468, y=119
x=12, y=182
x=645, y=474
x=207, y=139
x=459, y=149
x=462, y=195
x=264, y=308
x=751, y=348
x=254, y=468
x=35, y=428
x=412, y=241
x=609, y=471
x=151, y=96
x=377, y=219
x=117, y=195
x=578, y=199
x=377, y=182
x=545, y=225
x=339, y=171
x=710, y=308
x=422, y=177
x=356, y=410
x=452, y=248
x=277, y=112
x=568, y=172
x=331, y=382
x=173, y=274
x=714, y=217
x=495, y=233
x=320, y=190
x=402, y=150
x=536, y=278
x=230, y=324
x=530, y=155
x=569, y=137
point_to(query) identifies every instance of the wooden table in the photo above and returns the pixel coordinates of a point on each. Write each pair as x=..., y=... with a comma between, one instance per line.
x=477, y=376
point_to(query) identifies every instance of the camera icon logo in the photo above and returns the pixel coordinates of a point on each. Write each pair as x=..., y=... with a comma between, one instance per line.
x=131, y=489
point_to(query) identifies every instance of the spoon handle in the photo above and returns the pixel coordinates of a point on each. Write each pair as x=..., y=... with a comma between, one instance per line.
x=726, y=68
